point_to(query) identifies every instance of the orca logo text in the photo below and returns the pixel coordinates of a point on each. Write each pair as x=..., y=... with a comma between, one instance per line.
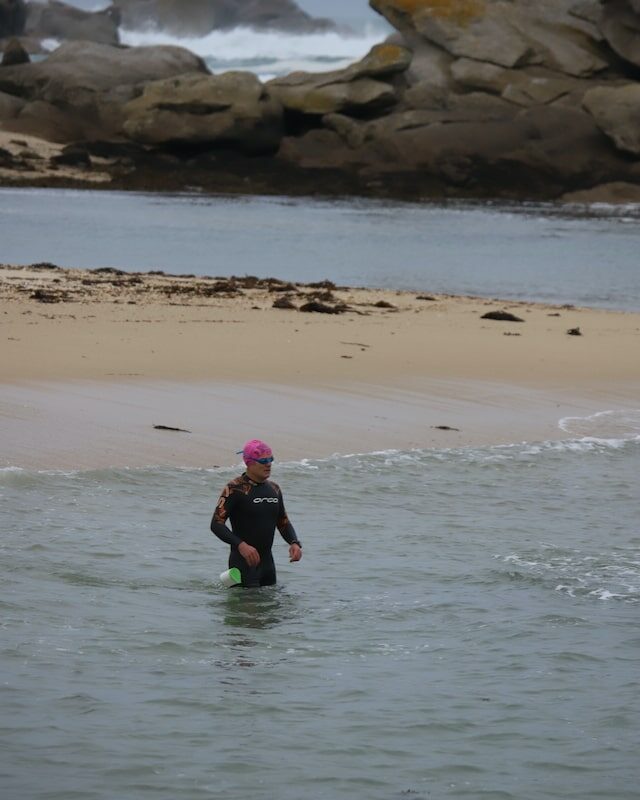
x=265, y=499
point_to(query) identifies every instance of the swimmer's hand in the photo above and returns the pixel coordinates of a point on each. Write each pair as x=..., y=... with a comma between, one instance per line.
x=250, y=554
x=295, y=552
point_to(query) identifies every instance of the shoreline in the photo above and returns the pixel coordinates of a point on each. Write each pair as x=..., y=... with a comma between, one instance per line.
x=93, y=359
x=32, y=162
x=88, y=425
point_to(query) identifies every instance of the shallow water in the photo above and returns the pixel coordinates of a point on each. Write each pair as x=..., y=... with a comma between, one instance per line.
x=528, y=252
x=463, y=625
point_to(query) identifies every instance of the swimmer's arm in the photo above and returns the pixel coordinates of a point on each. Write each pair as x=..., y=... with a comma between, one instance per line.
x=287, y=531
x=220, y=516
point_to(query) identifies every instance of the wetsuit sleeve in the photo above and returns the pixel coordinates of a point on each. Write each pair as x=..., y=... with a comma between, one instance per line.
x=285, y=527
x=220, y=517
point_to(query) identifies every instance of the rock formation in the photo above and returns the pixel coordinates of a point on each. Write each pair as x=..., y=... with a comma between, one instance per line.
x=470, y=98
x=14, y=53
x=196, y=109
x=56, y=20
x=13, y=14
x=184, y=17
x=80, y=91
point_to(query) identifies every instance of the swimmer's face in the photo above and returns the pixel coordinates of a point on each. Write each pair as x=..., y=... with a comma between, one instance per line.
x=260, y=470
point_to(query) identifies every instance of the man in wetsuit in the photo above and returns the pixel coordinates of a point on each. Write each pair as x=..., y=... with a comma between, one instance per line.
x=255, y=507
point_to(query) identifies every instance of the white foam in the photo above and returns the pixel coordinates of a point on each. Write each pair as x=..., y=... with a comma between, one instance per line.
x=266, y=53
x=608, y=426
x=50, y=44
x=610, y=576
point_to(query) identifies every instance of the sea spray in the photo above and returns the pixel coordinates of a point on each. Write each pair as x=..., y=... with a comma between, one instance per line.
x=268, y=54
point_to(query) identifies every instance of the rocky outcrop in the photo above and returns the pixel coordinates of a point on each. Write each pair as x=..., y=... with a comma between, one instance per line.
x=616, y=111
x=491, y=103
x=13, y=15
x=359, y=90
x=609, y=193
x=620, y=25
x=470, y=98
x=184, y=17
x=10, y=107
x=80, y=90
x=55, y=20
x=509, y=34
x=14, y=53
x=231, y=109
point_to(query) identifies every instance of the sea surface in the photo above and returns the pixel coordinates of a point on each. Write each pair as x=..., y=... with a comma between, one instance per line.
x=579, y=255
x=271, y=54
x=464, y=624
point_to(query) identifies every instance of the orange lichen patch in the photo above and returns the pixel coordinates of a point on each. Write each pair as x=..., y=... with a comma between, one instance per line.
x=386, y=59
x=387, y=52
x=460, y=12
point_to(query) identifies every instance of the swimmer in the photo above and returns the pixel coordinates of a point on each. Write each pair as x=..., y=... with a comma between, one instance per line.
x=254, y=506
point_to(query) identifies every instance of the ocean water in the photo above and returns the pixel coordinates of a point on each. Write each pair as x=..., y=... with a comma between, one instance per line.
x=584, y=256
x=271, y=54
x=464, y=624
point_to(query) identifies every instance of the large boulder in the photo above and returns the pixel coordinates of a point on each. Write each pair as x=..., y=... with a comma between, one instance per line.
x=10, y=106
x=360, y=89
x=509, y=34
x=231, y=109
x=88, y=68
x=184, y=17
x=565, y=148
x=305, y=93
x=13, y=15
x=80, y=89
x=480, y=145
x=14, y=53
x=55, y=20
x=536, y=86
x=620, y=26
x=618, y=192
x=616, y=111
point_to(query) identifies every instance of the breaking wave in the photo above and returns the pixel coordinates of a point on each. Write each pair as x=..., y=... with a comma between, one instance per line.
x=268, y=54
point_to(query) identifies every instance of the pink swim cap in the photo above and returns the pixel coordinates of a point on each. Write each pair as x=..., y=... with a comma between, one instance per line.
x=254, y=450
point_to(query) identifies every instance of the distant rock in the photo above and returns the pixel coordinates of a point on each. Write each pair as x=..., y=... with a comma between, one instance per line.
x=199, y=17
x=14, y=53
x=356, y=90
x=73, y=156
x=10, y=106
x=79, y=91
x=56, y=20
x=509, y=34
x=13, y=15
x=620, y=25
x=616, y=110
x=468, y=98
x=194, y=109
x=610, y=193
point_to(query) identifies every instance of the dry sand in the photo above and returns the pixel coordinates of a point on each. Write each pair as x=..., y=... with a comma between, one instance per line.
x=91, y=361
x=32, y=162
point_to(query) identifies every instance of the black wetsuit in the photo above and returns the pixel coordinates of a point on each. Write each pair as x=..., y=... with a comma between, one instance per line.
x=255, y=510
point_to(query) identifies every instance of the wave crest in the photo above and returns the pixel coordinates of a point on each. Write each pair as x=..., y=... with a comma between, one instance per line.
x=268, y=54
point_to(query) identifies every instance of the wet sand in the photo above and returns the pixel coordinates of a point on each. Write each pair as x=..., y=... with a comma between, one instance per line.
x=92, y=360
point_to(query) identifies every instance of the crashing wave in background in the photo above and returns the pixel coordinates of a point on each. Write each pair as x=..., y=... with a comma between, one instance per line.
x=267, y=53
x=271, y=54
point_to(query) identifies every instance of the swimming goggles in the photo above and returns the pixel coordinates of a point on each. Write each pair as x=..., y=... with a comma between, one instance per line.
x=268, y=460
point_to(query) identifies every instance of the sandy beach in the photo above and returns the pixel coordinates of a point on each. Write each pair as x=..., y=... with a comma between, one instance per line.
x=92, y=361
